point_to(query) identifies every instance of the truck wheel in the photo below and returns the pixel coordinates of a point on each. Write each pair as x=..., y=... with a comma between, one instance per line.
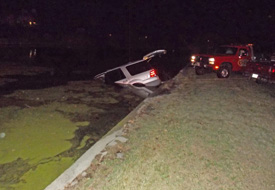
x=224, y=72
x=199, y=70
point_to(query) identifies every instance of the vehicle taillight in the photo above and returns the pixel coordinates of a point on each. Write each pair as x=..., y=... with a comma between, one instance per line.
x=271, y=70
x=153, y=73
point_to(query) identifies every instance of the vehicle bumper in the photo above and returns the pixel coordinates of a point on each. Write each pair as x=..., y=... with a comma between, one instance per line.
x=149, y=82
x=262, y=78
x=153, y=83
x=207, y=67
x=147, y=90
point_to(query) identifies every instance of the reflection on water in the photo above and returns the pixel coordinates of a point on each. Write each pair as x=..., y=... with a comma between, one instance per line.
x=45, y=65
x=32, y=53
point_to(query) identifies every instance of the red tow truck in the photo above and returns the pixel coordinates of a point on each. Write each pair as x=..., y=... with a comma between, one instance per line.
x=224, y=60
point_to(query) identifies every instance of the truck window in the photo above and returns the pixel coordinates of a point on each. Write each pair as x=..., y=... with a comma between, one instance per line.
x=114, y=76
x=243, y=52
x=226, y=50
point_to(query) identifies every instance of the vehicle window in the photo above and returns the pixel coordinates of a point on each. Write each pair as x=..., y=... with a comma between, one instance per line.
x=138, y=68
x=226, y=50
x=114, y=76
x=243, y=52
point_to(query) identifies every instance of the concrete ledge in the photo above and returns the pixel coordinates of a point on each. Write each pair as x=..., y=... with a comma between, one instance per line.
x=115, y=134
x=83, y=162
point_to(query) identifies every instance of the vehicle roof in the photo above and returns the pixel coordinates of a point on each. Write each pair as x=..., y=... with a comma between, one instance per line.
x=125, y=65
x=147, y=57
x=235, y=45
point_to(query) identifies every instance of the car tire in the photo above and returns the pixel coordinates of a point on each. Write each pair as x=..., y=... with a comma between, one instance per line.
x=199, y=70
x=261, y=80
x=224, y=72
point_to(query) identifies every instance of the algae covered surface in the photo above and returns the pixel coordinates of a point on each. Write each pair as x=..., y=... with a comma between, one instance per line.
x=44, y=131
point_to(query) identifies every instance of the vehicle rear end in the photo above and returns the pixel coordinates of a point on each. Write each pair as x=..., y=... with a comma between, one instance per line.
x=261, y=71
x=142, y=75
x=142, y=79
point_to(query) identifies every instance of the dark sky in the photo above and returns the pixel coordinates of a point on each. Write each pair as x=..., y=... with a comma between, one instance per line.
x=184, y=20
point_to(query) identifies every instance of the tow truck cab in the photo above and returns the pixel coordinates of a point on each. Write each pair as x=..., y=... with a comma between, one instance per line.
x=224, y=60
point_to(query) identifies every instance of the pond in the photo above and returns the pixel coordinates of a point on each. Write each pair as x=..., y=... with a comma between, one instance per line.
x=52, y=111
x=44, y=131
x=48, y=119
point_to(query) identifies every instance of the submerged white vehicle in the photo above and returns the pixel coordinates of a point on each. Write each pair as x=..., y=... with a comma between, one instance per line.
x=137, y=75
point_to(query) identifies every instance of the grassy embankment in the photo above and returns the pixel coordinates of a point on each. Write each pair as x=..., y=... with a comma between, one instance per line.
x=208, y=133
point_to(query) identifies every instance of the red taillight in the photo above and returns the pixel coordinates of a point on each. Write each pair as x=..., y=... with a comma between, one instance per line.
x=153, y=73
x=271, y=70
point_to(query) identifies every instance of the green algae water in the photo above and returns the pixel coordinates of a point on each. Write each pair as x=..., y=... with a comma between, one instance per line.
x=29, y=153
x=43, y=132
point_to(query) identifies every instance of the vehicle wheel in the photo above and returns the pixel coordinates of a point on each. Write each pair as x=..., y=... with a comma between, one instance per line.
x=259, y=81
x=199, y=70
x=224, y=72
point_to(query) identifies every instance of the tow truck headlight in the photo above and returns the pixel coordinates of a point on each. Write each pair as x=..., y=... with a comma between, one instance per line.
x=193, y=59
x=211, y=60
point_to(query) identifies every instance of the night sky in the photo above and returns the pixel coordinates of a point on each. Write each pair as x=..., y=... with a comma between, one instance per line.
x=173, y=22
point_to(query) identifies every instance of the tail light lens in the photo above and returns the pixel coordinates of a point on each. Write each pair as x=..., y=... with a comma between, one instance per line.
x=153, y=73
x=271, y=70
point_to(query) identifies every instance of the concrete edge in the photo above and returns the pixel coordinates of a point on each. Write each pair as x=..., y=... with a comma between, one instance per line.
x=68, y=176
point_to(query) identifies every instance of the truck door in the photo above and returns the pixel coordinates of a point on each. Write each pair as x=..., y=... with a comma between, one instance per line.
x=243, y=57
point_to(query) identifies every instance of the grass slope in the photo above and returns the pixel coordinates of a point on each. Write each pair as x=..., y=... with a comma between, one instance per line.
x=208, y=133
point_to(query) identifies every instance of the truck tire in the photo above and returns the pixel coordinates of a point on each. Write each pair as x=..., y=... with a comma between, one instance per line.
x=224, y=72
x=199, y=70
